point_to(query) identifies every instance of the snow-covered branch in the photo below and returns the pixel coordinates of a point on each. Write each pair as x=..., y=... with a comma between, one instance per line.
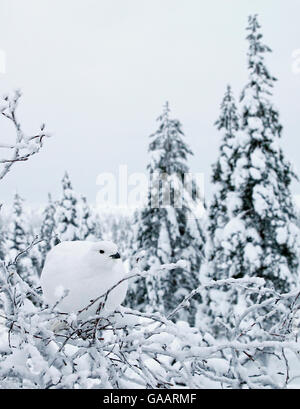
x=24, y=146
x=133, y=349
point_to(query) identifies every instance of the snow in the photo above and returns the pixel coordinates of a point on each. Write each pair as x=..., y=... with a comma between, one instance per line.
x=235, y=225
x=258, y=159
x=255, y=123
x=255, y=174
x=260, y=196
x=233, y=202
x=182, y=263
x=220, y=366
x=281, y=235
x=253, y=254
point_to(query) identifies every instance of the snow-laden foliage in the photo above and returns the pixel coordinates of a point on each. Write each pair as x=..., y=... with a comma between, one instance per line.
x=168, y=230
x=130, y=349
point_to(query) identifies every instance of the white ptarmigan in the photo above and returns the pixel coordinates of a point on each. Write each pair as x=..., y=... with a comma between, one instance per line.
x=86, y=270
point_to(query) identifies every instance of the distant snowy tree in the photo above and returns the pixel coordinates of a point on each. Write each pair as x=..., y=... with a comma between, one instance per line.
x=47, y=230
x=169, y=231
x=35, y=254
x=123, y=234
x=67, y=218
x=117, y=227
x=18, y=241
x=98, y=226
x=17, y=234
x=88, y=225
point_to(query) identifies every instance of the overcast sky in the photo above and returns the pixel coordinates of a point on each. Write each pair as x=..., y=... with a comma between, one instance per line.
x=98, y=72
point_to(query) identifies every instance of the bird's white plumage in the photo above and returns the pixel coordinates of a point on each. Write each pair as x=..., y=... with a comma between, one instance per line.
x=80, y=268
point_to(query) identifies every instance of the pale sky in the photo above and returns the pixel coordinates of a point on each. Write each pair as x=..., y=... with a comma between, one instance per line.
x=98, y=72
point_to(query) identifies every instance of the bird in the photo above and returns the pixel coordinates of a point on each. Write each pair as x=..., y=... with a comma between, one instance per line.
x=83, y=270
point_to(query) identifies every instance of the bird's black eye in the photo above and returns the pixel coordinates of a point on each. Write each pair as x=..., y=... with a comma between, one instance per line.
x=101, y=251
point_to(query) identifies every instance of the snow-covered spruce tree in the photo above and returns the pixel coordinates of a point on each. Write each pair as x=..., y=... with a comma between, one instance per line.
x=252, y=227
x=88, y=225
x=272, y=246
x=67, y=220
x=219, y=211
x=168, y=231
x=17, y=242
x=223, y=251
x=47, y=230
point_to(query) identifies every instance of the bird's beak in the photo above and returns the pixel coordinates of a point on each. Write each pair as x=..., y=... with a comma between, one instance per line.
x=117, y=255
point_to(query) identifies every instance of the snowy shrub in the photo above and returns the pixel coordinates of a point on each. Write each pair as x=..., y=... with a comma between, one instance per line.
x=131, y=349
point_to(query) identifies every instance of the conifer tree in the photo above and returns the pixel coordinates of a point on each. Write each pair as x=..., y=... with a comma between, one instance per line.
x=88, y=227
x=225, y=203
x=67, y=217
x=252, y=228
x=228, y=122
x=223, y=245
x=168, y=231
x=18, y=242
x=271, y=245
